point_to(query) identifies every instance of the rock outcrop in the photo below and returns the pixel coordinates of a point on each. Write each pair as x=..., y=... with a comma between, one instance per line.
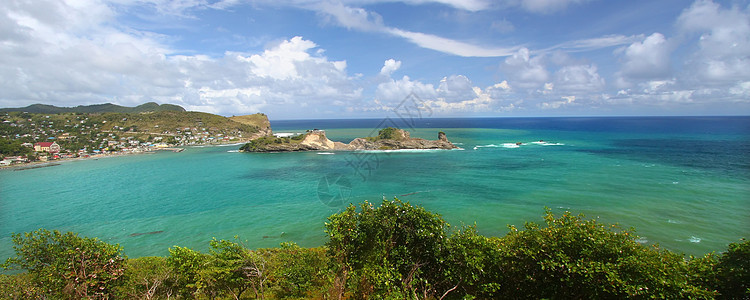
x=387, y=139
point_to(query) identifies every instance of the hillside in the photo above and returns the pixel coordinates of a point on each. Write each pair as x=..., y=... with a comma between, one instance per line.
x=96, y=108
x=258, y=120
x=107, y=131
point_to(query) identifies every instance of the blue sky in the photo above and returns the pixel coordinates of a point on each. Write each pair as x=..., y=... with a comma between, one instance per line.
x=304, y=59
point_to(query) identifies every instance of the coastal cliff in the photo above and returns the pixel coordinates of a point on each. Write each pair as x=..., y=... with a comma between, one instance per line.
x=315, y=140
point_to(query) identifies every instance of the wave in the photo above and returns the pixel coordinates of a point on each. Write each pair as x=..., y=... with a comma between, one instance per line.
x=694, y=239
x=233, y=151
x=543, y=143
x=400, y=151
x=326, y=153
x=517, y=145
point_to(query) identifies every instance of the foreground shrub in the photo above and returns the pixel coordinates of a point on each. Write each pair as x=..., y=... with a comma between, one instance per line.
x=576, y=258
x=147, y=278
x=65, y=265
x=19, y=287
x=733, y=271
x=392, y=251
x=299, y=272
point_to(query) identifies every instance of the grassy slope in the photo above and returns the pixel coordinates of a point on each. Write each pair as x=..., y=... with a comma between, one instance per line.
x=259, y=120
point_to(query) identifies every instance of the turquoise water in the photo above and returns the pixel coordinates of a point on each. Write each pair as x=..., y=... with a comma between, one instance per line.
x=682, y=183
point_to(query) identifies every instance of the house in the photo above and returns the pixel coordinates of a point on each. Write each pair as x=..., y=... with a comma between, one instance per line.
x=50, y=147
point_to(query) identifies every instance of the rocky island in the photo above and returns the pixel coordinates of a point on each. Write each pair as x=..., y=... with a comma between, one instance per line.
x=314, y=140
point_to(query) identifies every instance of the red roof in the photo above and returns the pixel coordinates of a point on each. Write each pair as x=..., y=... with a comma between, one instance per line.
x=44, y=144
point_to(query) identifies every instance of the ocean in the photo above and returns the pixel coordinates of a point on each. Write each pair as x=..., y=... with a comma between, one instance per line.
x=681, y=182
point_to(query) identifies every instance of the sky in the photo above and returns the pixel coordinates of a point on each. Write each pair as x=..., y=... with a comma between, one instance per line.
x=305, y=59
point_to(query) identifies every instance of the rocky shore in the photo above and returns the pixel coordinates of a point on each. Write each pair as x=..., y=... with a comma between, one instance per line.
x=316, y=140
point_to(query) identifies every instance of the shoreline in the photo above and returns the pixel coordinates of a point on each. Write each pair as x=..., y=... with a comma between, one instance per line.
x=57, y=162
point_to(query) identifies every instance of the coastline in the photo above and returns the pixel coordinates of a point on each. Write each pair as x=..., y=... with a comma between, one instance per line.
x=59, y=161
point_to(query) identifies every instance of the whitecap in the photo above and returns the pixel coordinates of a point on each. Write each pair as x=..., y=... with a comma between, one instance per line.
x=511, y=145
x=326, y=153
x=694, y=239
x=400, y=151
x=673, y=221
x=543, y=143
x=233, y=151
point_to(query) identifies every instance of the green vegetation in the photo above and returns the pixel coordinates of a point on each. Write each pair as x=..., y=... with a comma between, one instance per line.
x=388, y=133
x=97, y=108
x=259, y=120
x=67, y=266
x=260, y=144
x=391, y=251
x=87, y=132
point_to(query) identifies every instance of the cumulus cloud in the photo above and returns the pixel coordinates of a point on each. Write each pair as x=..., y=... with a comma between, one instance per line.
x=395, y=91
x=723, y=41
x=647, y=59
x=525, y=71
x=69, y=55
x=390, y=66
x=578, y=78
x=456, y=88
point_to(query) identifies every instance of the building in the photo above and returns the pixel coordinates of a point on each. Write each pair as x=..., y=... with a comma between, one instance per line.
x=50, y=147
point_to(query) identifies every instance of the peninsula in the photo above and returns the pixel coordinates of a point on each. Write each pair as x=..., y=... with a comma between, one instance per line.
x=315, y=140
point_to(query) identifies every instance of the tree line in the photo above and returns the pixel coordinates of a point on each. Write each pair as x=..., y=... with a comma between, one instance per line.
x=391, y=251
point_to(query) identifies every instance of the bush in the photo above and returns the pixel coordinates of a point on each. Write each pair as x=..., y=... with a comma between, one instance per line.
x=66, y=265
x=186, y=263
x=19, y=287
x=299, y=272
x=392, y=251
x=147, y=278
x=733, y=271
x=577, y=258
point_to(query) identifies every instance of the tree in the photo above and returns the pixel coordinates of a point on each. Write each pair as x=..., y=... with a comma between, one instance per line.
x=147, y=278
x=66, y=265
x=576, y=258
x=186, y=263
x=391, y=251
x=733, y=271
x=299, y=271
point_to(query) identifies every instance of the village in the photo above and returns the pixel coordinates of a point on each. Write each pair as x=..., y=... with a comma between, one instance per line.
x=27, y=138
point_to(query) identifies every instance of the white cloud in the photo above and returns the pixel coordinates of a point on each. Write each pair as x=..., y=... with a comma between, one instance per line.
x=647, y=59
x=525, y=71
x=593, y=43
x=363, y=20
x=456, y=88
x=390, y=66
x=578, y=78
x=71, y=55
x=723, y=42
x=567, y=100
x=395, y=91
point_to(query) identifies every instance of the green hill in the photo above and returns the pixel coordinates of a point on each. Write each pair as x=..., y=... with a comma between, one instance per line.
x=96, y=108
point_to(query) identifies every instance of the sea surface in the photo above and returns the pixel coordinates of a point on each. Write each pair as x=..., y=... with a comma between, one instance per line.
x=681, y=182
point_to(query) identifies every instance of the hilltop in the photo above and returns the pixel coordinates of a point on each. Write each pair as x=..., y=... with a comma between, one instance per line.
x=387, y=139
x=96, y=108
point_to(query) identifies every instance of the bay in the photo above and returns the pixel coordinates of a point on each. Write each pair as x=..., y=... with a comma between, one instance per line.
x=682, y=182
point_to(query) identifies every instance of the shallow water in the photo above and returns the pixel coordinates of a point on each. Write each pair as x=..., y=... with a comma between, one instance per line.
x=681, y=182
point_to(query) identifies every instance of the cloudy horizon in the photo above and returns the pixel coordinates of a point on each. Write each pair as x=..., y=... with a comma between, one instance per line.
x=304, y=59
